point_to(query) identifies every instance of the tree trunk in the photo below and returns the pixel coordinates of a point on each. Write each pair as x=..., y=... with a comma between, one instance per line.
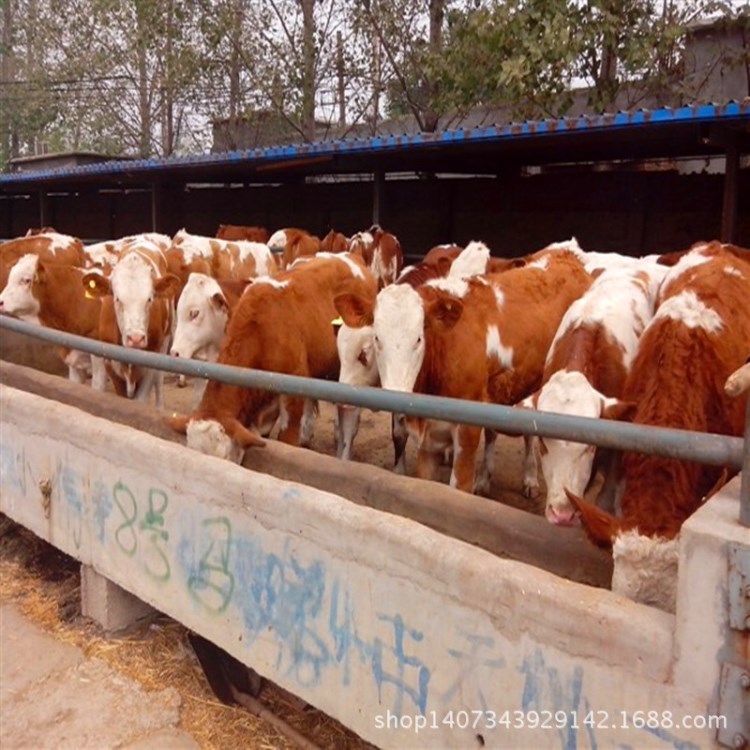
x=308, y=71
x=437, y=14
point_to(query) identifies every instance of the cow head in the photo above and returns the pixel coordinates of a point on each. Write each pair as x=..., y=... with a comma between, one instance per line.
x=19, y=297
x=133, y=284
x=567, y=466
x=202, y=315
x=226, y=438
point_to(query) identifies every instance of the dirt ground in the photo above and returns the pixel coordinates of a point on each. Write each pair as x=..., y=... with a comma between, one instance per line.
x=373, y=445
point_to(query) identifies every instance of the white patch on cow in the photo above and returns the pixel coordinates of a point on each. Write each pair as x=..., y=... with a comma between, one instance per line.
x=496, y=348
x=260, y=253
x=17, y=298
x=405, y=271
x=344, y=258
x=687, y=309
x=499, y=296
x=277, y=241
x=732, y=271
x=542, y=263
x=571, y=245
x=645, y=569
x=363, y=238
x=210, y=437
x=687, y=262
x=398, y=334
x=357, y=356
x=196, y=246
x=618, y=301
x=471, y=261
x=275, y=283
x=200, y=324
x=454, y=286
x=59, y=242
x=103, y=254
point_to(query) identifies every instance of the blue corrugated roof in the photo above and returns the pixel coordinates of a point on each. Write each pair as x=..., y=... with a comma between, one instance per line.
x=710, y=113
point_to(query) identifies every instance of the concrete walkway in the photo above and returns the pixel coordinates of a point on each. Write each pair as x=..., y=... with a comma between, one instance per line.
x=52, y=696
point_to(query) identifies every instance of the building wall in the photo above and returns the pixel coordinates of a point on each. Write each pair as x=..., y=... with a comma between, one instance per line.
x=628, y=212
x=434, y=644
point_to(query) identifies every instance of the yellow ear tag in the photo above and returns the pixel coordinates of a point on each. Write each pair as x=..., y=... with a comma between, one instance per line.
x=92, y=285
x=337, y=322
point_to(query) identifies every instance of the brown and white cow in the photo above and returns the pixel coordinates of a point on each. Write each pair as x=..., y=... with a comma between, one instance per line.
x=481, y=339
x=695, y=341
x=137, y=312
x=356, y=349
x=382, y=253
x=53, y=295
x=222, y=259
x=240, y=232
x=585, y=373
x=291, y=244
x=51, y=247
x=281, y=324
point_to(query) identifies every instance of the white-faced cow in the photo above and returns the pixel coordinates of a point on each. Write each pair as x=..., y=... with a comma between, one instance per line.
x=585, y=373
x=137, y=312
x=481, y=339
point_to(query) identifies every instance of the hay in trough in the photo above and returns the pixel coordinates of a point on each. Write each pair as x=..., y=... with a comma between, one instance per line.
x=44, y=584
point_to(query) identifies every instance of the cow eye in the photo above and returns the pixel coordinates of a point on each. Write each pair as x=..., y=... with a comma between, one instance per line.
x=419, y=341
x=194, y=314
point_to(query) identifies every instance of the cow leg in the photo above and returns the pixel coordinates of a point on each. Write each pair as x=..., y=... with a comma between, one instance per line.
x=143, y=389
x=487, y=465
x=530, y=467
x=400, y=436
x=308, y=422
x=465, y=444
x=347, y=426
x=199, y=387
x=292, y=410
x=98, y=374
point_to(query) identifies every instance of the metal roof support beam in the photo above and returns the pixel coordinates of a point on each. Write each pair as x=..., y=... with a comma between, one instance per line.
x=43, y=209
x=156, y=202
x=378, y=193
x=729, y=207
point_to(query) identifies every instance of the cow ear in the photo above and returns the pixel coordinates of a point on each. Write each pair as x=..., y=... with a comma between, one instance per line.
x=219, y=301
x=447, y=310
x=622, y=411
x=444, y=264
x=355, y=310
x=96, y=285
x=40, y=275
x=167, y=285
x=530, y=402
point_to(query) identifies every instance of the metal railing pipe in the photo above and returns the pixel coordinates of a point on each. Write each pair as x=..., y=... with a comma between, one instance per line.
x=707, y=448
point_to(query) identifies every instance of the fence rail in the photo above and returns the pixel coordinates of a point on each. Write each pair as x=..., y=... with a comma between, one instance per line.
x=706, y=448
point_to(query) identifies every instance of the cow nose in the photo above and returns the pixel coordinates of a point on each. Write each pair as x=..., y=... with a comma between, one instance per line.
x=561, y=517
x=135, y=341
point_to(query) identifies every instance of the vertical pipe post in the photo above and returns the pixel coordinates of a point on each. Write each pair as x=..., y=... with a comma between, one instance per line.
x=43, y=209
x=729, y=207
x=378, y=188
x=745, y=476
x=155, y=206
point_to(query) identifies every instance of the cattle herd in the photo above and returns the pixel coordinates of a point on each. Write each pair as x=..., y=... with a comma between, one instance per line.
x=653, y=340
